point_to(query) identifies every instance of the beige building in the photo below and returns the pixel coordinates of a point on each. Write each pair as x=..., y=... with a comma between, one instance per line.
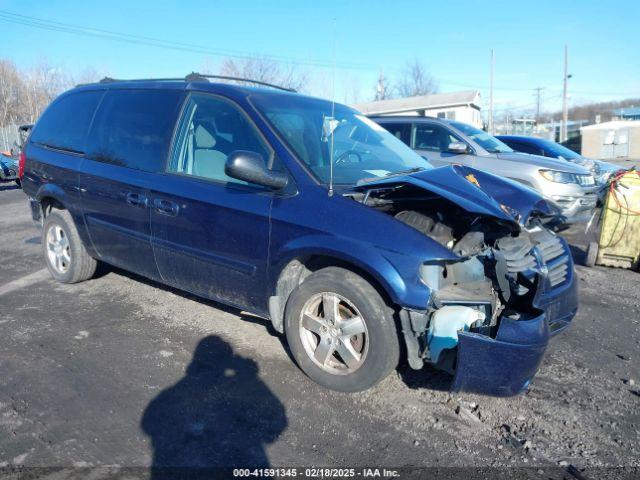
x=462, y=106
x=618, y=139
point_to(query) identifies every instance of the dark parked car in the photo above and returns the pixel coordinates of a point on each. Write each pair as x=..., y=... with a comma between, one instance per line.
x=23, y=134
x=574, y=144
x=308, y=214
x=601, y=171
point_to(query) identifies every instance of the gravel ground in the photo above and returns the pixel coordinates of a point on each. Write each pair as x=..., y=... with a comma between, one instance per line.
x=121, y=372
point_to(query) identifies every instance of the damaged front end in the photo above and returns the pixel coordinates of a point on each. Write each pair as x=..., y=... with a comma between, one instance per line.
x=493, y=309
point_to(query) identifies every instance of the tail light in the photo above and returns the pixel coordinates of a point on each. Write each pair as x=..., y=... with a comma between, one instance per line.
x=21, y=162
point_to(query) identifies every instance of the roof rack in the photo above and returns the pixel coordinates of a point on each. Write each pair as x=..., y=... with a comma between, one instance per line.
x=198, y=77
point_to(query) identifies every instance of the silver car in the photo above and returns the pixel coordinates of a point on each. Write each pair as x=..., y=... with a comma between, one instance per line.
x=570, y=187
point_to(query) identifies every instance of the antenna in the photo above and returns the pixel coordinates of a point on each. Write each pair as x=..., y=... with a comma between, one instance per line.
x=333, y=110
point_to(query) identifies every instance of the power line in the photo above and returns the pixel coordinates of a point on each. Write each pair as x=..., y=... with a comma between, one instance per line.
x=522, y=107
x=524, y=89
x=55, y=26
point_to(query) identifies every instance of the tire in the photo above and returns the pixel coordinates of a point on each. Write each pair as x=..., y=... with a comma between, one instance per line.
x=60, y=239
x=372, y=352
x=592, y=254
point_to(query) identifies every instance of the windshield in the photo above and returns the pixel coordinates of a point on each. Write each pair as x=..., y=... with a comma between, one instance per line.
x=558, y=151
x=318, y=132
x=486, y=141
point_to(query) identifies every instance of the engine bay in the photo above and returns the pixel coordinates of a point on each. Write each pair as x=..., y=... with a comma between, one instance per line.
x=499, y=272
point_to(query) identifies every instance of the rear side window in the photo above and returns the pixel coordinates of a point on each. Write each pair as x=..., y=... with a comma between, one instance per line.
x=133, y=128
x=526, y=148
x=65, y=124
x=402, y=131
x=432, y=137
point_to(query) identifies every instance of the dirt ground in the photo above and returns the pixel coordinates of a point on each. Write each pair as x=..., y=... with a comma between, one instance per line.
x=121, y=372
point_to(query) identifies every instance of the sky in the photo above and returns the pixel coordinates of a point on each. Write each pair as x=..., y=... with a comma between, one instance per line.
x=344, y=45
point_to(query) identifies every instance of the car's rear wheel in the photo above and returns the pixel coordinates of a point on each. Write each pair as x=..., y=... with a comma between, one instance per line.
x=64, y=253
x=340, y=330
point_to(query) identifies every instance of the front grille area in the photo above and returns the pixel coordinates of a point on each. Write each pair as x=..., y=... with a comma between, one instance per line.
x=517, y=253
x=550, y=248
x=558, y=273
x=528, y=255
x=554, y=256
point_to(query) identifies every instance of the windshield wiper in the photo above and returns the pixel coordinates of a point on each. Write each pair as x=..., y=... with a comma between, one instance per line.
x=405, y=172
x=409, y=171
x=60, y=149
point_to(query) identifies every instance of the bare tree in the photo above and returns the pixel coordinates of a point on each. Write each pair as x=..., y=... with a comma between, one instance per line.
x=589, y=111
x=10, y=87
x=25, y=93
x=383, y=90
x=88, y=75
x=416, y=80
x=265, y=70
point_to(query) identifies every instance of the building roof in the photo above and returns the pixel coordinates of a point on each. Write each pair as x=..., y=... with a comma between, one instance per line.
x=628, y=111
x=613, y=125
x=422, y=102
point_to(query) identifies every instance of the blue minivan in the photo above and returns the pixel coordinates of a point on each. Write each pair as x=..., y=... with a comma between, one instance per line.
x=306, y=213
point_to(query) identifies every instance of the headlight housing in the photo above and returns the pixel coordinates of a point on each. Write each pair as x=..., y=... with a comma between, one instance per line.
x=586, y=180
x=558, y=177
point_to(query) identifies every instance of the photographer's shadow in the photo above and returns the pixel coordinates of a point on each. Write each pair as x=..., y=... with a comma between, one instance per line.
x=219, y=415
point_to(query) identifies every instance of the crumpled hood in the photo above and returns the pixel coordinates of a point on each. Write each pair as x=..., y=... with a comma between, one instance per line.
x=545, y=162
x=473, y=190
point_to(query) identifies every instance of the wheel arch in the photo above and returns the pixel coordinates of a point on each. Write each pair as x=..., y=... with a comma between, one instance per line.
x=292, y=269
x=52, y=196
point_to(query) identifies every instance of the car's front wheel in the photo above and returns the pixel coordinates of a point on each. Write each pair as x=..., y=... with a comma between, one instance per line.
x=64, y=253
x=340, y=330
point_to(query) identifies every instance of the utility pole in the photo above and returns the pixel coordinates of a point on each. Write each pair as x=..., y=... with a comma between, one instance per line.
x=565, y=108
x=491, y=94
x=538, y=102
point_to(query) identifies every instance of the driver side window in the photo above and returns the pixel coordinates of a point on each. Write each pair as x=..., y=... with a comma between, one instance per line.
x=210, y=130
x=432, y=137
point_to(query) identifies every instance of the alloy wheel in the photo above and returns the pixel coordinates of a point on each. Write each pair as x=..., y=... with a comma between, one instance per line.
x=334, y=333
x=58, y=249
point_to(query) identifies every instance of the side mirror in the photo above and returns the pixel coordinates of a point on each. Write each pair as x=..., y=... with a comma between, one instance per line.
x=250, y=167
x=457, y=147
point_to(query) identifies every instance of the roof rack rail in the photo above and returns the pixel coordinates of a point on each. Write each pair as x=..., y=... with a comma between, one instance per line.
x=199, y=77
x=112, y=80
x=195, y=77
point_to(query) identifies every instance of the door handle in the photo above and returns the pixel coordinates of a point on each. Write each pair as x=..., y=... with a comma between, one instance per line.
x=137, y=199
x=166, y=207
